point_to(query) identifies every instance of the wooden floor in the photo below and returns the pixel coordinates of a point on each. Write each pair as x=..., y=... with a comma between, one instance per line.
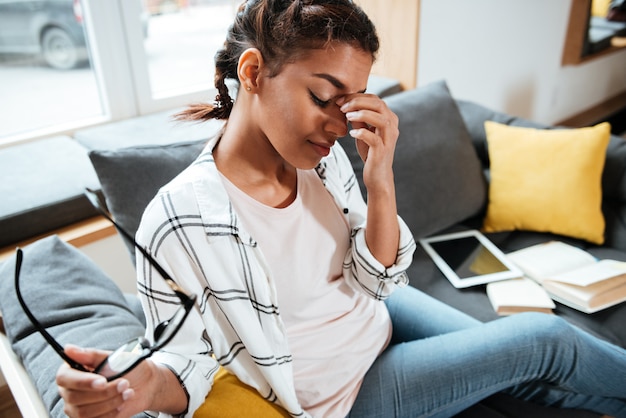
x=8, y=408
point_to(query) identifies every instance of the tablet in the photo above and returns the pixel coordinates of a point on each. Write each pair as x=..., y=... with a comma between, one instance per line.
x=468, y=258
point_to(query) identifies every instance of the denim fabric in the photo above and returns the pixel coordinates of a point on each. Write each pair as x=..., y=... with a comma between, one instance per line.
x=441, y=361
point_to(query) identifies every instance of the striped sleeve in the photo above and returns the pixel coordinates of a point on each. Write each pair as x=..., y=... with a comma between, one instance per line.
x=361, y=269
x=171, y=240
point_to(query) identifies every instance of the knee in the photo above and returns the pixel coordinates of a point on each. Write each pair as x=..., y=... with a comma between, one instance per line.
x=546, y=328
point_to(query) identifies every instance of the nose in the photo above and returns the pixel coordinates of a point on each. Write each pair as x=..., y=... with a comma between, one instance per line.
x=336, y=124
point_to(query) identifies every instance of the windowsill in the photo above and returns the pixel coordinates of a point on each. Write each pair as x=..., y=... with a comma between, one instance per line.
x=78, y=234
x=616, y=46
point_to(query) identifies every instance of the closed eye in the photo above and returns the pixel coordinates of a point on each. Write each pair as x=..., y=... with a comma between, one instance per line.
x=318, y=102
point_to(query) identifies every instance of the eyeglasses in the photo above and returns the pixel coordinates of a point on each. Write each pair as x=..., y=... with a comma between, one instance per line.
x=129, y=355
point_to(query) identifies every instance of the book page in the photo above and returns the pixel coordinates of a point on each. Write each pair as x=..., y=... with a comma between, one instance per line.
x=549, y=259
x=590, y=298
x=592, y=273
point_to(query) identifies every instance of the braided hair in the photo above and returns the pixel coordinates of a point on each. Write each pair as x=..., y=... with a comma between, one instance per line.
x=282, y=30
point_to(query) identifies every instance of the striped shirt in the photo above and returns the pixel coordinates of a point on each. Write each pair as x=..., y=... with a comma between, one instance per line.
x=191, y=229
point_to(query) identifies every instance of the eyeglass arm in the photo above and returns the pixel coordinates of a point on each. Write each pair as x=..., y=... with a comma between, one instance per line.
x=97, y=203
x=40, y=328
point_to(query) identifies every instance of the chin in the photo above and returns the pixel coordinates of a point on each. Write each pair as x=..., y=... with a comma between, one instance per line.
x=313, y=162
x=309, y=166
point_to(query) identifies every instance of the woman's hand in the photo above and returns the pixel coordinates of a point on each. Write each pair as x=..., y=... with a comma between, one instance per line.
x=90, y=395
x=375, y=129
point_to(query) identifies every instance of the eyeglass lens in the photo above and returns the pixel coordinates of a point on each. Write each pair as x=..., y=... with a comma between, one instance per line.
x=166, y=330
x=124, y=358
x=130, y=354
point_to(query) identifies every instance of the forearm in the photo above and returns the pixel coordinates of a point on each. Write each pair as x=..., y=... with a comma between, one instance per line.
x=382, y=232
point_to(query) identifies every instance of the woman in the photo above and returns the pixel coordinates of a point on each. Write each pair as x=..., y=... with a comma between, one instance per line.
x=296, y=275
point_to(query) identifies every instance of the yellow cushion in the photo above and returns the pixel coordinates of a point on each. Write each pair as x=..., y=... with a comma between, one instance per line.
x=230, y=398
x=547, y=180
x=600, y=8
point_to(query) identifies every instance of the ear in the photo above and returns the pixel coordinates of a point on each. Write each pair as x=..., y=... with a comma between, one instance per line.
x=249, y=68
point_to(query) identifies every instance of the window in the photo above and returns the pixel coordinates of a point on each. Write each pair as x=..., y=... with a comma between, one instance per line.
x=43, y=56
x=86, y=62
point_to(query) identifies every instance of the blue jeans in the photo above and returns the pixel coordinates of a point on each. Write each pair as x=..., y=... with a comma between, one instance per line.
x=441, y=361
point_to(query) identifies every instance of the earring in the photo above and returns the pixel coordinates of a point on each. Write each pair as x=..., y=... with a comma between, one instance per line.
x=248, y=88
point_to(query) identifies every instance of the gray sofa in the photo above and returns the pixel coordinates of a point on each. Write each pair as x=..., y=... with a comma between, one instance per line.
x=441, y=170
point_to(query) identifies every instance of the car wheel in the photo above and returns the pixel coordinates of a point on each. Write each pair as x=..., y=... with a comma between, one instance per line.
x=59, y=49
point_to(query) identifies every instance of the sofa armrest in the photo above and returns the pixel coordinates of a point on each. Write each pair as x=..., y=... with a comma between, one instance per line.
x=22, y=388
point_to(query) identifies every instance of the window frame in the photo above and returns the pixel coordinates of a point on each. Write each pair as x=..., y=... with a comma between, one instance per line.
x=115, y=39
x=577, y=33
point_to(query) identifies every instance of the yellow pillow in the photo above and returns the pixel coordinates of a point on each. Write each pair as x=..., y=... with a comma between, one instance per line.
x=600, y=8
x=547, y=180
x=230, y=398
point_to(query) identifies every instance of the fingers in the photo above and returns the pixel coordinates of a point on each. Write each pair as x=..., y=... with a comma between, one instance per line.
x=75, y=379
x=105, y=400
x=89, y=358
x=88, y=394
x=370, y=117
x=375, y=128
x=362, y=148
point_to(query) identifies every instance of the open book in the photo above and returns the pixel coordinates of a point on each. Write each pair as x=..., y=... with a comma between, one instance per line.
x=572, y=276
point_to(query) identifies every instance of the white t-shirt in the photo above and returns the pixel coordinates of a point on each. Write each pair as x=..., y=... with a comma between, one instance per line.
x=334, y=332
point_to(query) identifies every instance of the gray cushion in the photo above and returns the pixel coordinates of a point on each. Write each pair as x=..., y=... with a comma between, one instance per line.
x=383, y=86
x=614, y=194
x=73, y=299
x=130, y=177
x=438, y=176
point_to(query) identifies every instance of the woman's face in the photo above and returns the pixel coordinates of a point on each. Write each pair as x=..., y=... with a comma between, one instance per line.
x=298, y=114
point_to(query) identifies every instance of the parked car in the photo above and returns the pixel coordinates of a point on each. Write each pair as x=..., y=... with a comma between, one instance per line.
x=50, y=28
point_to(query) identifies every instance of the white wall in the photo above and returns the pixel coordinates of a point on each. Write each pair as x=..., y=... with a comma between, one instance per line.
x=506, y=55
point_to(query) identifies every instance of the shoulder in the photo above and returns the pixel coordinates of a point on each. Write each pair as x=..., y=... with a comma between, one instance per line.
x=178, y=194
x=167, y=212
x=194, y=204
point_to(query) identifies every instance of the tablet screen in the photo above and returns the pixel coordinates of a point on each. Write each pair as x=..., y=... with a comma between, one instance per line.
x=468, y=258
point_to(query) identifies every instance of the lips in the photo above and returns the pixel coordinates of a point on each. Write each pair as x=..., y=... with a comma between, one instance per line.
x=321, y=149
